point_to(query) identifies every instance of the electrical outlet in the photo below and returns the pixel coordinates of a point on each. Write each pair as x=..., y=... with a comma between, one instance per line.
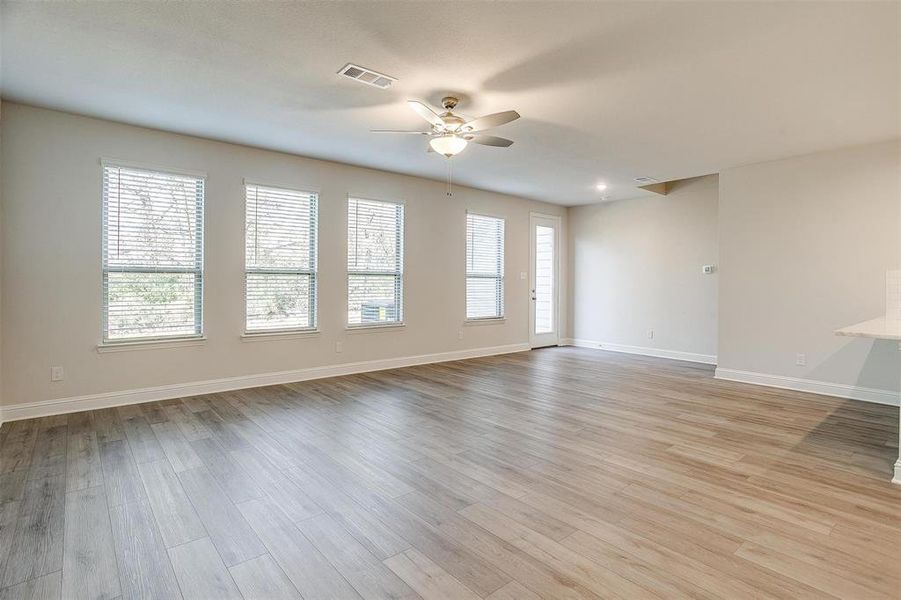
x=339, y=347
x=801, y=360
x=57, y=374
x=650, y=334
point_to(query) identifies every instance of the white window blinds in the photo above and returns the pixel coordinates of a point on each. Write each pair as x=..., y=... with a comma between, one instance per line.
x=280, y=259
x=484, y=267
x=152, y=254
x=375, y=259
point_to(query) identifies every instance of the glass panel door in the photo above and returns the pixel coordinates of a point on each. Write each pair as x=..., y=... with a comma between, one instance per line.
x=544, y=267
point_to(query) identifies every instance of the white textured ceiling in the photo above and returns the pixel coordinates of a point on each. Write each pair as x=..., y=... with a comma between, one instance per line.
x=607, y=91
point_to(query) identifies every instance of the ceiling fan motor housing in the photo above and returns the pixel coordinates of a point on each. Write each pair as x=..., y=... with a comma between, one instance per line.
x=451, y=121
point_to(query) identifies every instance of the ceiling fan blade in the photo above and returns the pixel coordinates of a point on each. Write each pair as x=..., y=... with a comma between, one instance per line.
x=490, y=140
x=489, y=121
x=399, y=131
x=425, y=112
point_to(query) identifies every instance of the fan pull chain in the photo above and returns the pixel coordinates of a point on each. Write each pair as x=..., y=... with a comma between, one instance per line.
x=450, y=178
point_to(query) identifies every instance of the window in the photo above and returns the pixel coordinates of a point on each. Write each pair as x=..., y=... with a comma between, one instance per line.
x=375, y=261
x=152, y=254
x=280, y=259
x=484, y=267
x=544, y=279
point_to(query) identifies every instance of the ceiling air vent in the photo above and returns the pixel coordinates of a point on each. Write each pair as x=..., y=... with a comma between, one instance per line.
x=367, y=76
x=646, y=180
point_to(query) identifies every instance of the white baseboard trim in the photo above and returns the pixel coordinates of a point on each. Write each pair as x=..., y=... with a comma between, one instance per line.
x=60, y=406
x=707, y=359
x=840, y=390
x=897, y=478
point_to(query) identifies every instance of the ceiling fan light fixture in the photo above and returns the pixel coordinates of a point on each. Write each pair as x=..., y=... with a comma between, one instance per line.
x=448, y=145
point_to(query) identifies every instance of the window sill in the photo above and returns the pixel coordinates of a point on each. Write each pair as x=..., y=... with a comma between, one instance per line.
x=374, y=328
x=486, y=321
x=158, y=344
x=263, y=336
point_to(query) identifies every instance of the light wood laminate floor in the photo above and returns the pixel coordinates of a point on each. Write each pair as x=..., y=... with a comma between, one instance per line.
x=559, y=473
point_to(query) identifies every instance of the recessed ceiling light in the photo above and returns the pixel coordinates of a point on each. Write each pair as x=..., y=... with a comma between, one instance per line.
x=601, y=187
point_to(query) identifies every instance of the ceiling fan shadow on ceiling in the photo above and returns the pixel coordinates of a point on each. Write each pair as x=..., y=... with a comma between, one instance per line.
x=450, y=133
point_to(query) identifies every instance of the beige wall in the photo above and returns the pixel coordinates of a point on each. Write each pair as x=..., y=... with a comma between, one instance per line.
x=804, y=246
x=1, y=262
x=51, y=260
x=637, y=266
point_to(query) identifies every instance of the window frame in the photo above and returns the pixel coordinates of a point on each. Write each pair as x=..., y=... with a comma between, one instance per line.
x=501, y=279
x=198, y=270
x=399, y=274
x=313, y=272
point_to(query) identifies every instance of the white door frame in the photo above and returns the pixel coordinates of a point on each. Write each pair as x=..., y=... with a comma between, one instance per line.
x=544, y=339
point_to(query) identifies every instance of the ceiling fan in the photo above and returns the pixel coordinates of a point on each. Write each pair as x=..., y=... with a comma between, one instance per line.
x=450, y=133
